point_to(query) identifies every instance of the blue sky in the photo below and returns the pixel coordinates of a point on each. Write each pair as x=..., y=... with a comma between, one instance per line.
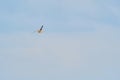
x=80, y=40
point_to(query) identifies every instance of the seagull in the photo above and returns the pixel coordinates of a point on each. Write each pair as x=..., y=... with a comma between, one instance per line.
x=40, y=30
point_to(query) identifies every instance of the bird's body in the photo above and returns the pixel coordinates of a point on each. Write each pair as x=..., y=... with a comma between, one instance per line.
x=40, y=30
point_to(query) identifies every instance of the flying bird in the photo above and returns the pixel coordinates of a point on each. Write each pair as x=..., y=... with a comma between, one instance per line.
x=40, y=30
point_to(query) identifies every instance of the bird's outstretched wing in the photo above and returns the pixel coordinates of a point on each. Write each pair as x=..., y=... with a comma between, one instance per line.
x=41, y=27
x=39, y=31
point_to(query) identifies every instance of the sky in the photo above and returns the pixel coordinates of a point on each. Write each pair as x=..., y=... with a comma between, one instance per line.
x=80, y=40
